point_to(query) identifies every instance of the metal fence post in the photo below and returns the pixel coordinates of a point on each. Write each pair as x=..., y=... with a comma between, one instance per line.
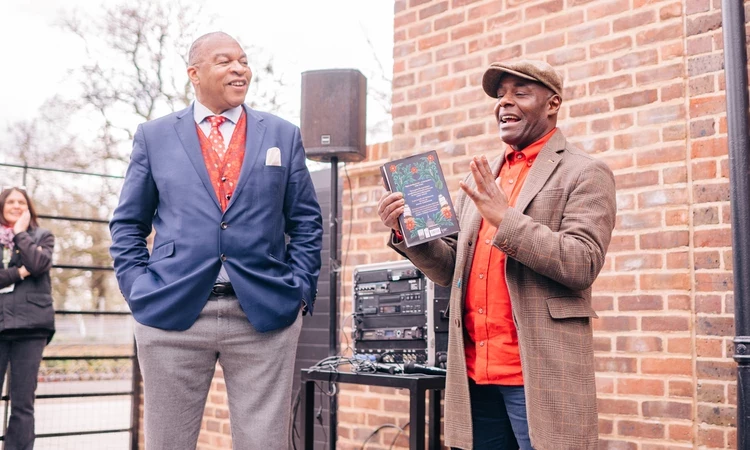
x=135, y=417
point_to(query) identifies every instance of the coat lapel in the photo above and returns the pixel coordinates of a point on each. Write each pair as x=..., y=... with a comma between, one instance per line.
x=253, y=141
x=188, y=134
x=546, y=162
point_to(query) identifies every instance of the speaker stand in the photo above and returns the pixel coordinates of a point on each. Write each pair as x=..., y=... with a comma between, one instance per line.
x=335, y=266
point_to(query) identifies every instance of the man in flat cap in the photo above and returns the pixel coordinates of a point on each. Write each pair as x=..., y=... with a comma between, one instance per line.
x=535, y=226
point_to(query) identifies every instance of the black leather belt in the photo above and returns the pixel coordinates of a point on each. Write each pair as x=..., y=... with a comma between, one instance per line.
x=222, y=290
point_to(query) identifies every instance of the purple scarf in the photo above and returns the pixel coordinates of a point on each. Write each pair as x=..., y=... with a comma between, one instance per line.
x=6, y=237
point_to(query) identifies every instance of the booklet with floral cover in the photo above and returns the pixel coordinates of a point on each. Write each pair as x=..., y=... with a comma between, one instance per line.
x=428, y=210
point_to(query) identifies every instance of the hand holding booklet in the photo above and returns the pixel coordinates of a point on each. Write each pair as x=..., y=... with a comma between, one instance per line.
x=428, y=210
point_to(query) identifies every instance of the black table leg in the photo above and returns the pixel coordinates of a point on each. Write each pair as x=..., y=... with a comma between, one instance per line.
x=434, y=428
x=416, y=418
x=416, y=384
x=308, y=408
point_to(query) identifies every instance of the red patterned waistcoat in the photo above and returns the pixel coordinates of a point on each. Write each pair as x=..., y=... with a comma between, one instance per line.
x=224, y=173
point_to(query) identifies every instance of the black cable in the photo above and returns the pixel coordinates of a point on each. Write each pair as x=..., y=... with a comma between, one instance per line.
x=331, y=363
x=346, y=252
x=351, y=215
x=332, y=389
x=358, y=364
x=393, y=442
x=346, y=336
x=377, y=430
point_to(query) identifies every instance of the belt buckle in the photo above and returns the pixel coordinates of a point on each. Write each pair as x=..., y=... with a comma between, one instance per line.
x=220, y=289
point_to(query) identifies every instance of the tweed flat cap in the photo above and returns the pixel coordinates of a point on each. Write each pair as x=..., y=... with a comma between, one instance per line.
x=533, y=70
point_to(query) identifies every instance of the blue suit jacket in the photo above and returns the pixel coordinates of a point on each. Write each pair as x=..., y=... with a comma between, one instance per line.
x=167, y=186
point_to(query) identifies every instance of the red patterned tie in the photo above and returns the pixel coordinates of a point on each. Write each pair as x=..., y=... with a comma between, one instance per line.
x=215, y=137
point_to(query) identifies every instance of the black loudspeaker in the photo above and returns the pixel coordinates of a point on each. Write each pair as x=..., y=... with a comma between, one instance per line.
x=333, y=114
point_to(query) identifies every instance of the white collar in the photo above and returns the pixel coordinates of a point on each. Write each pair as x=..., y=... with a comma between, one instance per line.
x=200, y=112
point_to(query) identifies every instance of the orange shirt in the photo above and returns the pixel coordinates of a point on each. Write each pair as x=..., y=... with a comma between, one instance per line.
x=491, y=343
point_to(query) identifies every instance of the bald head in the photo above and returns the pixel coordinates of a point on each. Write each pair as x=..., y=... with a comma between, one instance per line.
x=219, y=71
x=196, y=53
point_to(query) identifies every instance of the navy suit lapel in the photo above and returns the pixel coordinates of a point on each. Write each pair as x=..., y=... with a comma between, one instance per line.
x=186, y=130
x=253, y=141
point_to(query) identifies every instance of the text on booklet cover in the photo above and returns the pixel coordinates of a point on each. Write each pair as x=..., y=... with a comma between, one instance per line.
x=428, y=210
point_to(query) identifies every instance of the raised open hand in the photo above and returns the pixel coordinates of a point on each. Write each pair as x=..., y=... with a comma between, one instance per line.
x=490, y=200
x=22, y=224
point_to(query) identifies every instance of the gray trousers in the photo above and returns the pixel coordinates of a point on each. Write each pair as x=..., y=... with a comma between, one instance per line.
x=178, y=367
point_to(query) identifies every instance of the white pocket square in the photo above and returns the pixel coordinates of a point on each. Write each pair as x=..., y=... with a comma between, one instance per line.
x=273, y=156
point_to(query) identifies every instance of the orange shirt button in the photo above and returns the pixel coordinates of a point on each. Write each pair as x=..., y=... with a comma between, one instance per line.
x=510, y=181
x=481, y=344
x=481, y=276
x=487, y=241
x=480, y=311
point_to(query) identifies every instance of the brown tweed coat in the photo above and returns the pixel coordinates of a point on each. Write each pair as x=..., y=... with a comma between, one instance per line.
x=556, y=238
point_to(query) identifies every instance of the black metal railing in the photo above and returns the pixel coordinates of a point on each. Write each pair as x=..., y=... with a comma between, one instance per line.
x=134, y=392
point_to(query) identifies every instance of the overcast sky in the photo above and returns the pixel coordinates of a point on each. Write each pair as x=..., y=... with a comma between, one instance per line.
x=300, y=34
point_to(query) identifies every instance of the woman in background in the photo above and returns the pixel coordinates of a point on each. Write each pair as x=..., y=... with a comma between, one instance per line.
x=27, y=318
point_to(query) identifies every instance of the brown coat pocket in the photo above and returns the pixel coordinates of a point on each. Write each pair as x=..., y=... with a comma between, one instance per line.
x=569, y=307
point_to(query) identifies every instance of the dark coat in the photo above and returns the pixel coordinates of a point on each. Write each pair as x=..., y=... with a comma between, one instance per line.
x=29, y=306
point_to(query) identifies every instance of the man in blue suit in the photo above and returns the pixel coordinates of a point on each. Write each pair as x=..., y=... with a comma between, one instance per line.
x=235, y=260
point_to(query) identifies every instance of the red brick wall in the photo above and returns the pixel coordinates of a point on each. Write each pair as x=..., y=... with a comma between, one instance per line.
x=644, y=92
x=215, y=428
